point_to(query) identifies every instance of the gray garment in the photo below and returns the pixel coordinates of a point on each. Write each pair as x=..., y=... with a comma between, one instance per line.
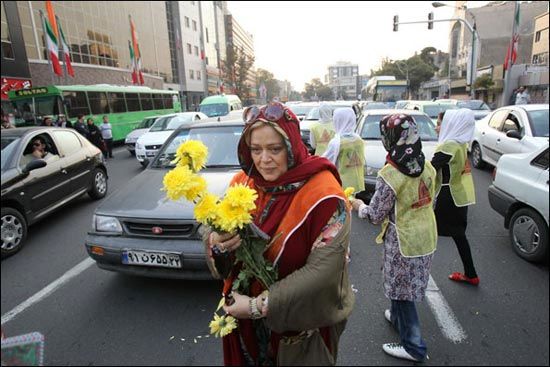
x=405, y=278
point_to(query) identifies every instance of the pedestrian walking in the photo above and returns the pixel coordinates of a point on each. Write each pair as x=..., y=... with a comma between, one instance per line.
x=302, y=207
x=522, y=97
x=456, y=186
x=94, y=135
x=323, y=130
x=402, y=202
x=107, y=134
x=81, y=127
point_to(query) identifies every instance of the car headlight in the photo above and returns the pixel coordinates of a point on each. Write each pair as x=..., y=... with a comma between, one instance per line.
x=130, y=140
x=107, y=224
x=371, y=171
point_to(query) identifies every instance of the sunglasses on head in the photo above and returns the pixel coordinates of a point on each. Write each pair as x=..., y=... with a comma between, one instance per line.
x=273, y=111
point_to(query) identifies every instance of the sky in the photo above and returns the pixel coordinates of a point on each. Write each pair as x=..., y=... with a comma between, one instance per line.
x=298, y=40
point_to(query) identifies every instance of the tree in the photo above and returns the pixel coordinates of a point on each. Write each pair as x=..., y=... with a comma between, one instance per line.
x=236, y=69
x=315, y=89
x=484, y=82
x=271, y=85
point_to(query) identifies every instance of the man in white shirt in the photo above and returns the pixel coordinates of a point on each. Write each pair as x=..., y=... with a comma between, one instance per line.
x=522, y=97
x=107, y=134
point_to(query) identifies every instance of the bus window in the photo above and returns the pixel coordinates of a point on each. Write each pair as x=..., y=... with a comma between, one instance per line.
x=157, y=102
x=146, y=102
x=132, y=101
x=46, y=106
x=76, y=103
x=116, y=101
x=168, y=102
x=98, y=103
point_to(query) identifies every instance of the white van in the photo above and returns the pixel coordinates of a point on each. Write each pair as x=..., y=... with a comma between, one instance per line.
x=220, y=105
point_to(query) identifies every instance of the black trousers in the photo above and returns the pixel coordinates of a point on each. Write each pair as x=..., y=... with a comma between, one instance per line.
x=465, y=255
x=109, y=144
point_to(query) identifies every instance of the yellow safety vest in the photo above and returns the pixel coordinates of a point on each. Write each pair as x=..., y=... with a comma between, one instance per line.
x=414, y=215
x=351, y=163
x=461, y=181
x=322, y=133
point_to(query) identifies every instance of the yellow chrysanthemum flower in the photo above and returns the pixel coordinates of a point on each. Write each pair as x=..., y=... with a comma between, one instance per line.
x=231, y=217
x=192, y=153
x=182, y=182
x=241, y=196
x=207, y=208
x=222, y=325
x=349, y=191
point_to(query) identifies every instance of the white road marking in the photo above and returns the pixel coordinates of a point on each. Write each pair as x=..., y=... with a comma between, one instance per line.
x=49, y=289
x=445, y=317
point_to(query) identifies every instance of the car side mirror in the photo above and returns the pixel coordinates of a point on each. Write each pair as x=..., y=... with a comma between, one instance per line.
x=31, y=166
x=513, y=134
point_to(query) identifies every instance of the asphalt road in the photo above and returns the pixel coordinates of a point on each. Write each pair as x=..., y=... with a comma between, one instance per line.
x=104, y=318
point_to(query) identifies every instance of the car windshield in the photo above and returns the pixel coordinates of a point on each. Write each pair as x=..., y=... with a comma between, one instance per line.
x=301, y=110
x=371, y=127
x=539, y=122
x=145, y=124
x=434, y=110
x=221, y=143
x=9, y=145
x=215, y=109
x=170, y=122
x=474, y=105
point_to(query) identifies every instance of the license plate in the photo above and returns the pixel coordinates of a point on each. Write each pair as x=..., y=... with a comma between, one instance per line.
x=165, y=260
x=150, y=154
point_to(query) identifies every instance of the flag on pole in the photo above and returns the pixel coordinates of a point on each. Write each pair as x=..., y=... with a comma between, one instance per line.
x=139, y=73
x=52, y=47
x=51, y=17
x=133, y=63
x=137, y=54
x=66, y=51
x=512, y=52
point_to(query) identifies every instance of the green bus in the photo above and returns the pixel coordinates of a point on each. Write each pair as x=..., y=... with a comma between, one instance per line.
x=126, y=106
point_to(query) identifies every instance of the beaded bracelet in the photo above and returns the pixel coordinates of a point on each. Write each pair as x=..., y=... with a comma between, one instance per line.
x=253, y=307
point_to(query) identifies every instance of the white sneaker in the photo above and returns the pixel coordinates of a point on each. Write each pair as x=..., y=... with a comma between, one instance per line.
x=396, y=350
x=387, y=315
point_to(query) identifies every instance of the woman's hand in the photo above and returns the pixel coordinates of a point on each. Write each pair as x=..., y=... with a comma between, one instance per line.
x=225, y=241
x=356, y=203
x=240, y=308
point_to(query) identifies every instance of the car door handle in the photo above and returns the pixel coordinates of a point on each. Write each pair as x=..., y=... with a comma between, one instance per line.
x=64, y=171
x=483, y=133
x=498, y=140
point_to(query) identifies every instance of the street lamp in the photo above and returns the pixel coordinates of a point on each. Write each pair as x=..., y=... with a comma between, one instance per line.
x=473, y=58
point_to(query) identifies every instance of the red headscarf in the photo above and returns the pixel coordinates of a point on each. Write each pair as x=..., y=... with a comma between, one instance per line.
x=301, y=167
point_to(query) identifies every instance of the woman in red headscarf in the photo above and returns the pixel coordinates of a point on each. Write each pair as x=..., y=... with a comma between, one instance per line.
x=300, y=204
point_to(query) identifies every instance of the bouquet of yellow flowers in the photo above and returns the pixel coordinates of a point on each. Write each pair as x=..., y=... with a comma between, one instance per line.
x=232, y=214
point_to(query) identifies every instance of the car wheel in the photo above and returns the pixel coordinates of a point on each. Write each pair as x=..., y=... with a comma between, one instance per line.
x=132, y=153
x=14, y=231
x=143, y=164
x=99, y=184
x=477, y=160
x=529, y=235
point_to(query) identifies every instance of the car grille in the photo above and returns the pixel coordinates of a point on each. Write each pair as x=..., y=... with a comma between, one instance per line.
x=169, y=229
x=153, y=147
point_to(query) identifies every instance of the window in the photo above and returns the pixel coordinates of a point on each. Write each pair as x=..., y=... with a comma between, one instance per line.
x=157, y=102
x=116, y=102
x=7, y=49
x=98, y=103
x=196, y=51
x=198, y=75
x=510, y=124
x=498, y=117
x=186, y=22
x=68, y=141
x=132, y=101
x=146, y=102
x=542, y=160
x=191, y=74
x=206, y=61
x=189, y=48
x=194, y=25
x=168, y=101
x=207, y=41
x=537, y=36
x=75, y=104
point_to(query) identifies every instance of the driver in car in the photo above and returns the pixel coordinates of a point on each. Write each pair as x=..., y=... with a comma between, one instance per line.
x=38, y=152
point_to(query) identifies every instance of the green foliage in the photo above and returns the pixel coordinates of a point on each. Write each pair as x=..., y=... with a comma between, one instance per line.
x=236, y=69
x=484, y=82
x=316, y=88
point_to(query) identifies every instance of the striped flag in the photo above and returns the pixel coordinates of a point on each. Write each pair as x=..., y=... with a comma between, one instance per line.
x=133, y=63
x=51, y=45
x=137, y=54
x=512, y=52
x=66, y=52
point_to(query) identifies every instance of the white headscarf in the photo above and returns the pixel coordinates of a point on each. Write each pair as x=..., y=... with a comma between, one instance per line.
x=457, y=125
x=344, y=125
x=325, y=113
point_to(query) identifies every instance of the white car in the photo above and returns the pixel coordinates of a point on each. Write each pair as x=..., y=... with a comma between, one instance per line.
x=149, y=143
x=134, y=135
x=510, y=129
x=520, y=194
x=375, y=153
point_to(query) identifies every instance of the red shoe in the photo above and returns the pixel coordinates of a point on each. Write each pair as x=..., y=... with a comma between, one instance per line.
x=459, y=277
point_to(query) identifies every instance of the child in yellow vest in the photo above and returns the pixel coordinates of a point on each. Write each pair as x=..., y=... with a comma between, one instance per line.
x=455, y=186
x=403, y=201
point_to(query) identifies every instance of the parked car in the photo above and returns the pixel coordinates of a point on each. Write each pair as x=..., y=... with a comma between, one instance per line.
x=221, y=105
x=31, y=191
x=149, y=143
x=375, y=153
x=431, y=109
x=139, y=232
x=301, y=109
x=520, y=194
x=141, y=129
x=510, y=129
x=479, y=107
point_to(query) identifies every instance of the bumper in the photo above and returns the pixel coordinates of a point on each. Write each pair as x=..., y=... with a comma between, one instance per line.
x=191, y=253
x=501, y=202
x=131, y=147
x=141, y=154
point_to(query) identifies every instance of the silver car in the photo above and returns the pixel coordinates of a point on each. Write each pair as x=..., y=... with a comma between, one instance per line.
x=138, y=231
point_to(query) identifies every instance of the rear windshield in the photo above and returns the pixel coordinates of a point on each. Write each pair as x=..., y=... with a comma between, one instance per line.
x=215, y=109
x=371, y=127
x=539, y=122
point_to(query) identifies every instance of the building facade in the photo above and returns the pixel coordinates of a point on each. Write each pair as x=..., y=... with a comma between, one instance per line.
x=342, y=79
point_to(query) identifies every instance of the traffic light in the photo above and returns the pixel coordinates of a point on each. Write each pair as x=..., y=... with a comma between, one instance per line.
x=395, y=22
x=430, y=20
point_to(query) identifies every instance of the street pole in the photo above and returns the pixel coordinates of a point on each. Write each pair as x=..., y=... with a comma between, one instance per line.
x=506, y=86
